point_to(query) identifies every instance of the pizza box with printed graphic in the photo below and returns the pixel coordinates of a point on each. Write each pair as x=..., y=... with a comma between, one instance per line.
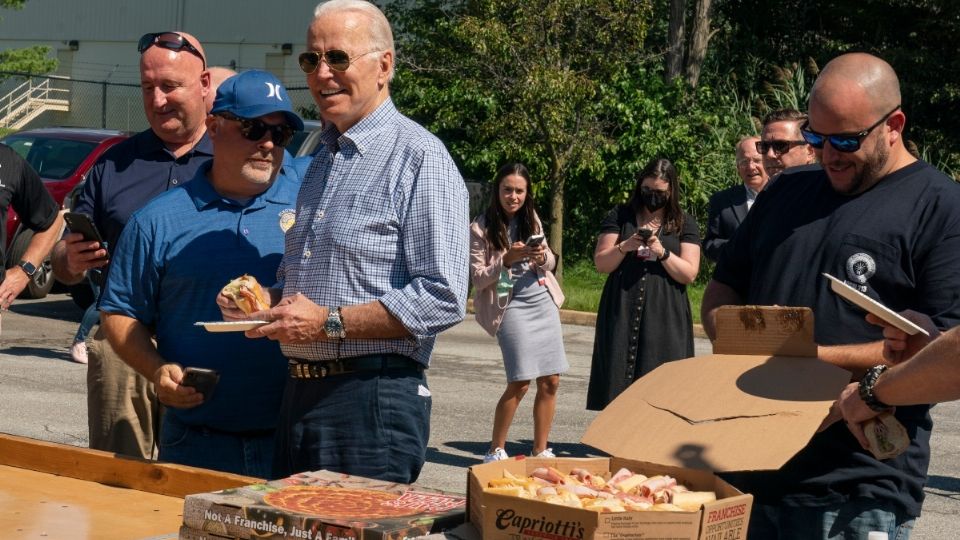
x=752, y=405
x=321, y=505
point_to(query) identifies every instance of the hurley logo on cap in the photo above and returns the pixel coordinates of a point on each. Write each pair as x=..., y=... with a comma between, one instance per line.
x=274, y=91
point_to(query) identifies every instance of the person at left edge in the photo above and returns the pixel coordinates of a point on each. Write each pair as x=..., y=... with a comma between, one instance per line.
x=176, y=254
x=21, y=188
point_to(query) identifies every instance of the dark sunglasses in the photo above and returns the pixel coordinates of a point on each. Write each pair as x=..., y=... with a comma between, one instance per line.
x=254, y=129
x=335, y=58
x=841, y=142
x=779, y=147
x=169, y=40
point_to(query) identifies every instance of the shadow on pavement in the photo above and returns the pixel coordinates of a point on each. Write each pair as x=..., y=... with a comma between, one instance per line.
x=946, y=486
x=62, y=310
x=513, y=448
x=39, y=352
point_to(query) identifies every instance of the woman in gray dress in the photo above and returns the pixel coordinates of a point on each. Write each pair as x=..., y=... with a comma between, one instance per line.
x=517, y=300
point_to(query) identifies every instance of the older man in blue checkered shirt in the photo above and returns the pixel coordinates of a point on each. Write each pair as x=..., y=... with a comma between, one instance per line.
x=375, y=265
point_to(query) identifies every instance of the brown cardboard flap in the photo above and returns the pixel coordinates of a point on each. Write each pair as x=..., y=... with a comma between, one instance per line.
x=769, y=330
x=720, y=412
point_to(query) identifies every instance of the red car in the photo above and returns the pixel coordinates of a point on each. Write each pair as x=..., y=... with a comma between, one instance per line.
x=62, y=157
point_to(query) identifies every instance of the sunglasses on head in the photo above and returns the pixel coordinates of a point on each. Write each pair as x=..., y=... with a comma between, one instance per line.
x=254, y=129
x=336, y=59
x=779, y=147
x=841, y=142
x=169, y=40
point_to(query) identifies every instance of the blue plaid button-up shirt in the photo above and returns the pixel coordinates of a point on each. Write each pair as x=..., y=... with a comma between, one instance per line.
x=382, y=215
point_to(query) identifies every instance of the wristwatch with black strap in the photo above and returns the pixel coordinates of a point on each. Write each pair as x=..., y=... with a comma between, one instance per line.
x=28, y=268
x=334, y=326
x=867, y=383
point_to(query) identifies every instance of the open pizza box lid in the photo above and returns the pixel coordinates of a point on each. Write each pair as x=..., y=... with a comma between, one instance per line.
x=752, y=405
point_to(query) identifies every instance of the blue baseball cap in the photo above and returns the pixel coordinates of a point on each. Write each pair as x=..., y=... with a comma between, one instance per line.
x=252, y=94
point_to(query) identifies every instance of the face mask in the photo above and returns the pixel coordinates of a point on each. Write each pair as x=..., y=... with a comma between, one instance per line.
x=654, y=201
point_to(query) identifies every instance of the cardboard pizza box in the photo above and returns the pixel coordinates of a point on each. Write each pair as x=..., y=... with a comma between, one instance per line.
x=751, y=405
x=321, y=505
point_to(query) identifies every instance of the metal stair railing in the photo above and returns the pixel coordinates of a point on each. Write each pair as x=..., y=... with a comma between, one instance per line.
x=29, y=100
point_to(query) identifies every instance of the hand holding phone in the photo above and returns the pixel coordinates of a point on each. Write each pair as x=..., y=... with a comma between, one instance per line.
x=644, y=234
x=535, y=240
x=83, y=224
x=202, y=379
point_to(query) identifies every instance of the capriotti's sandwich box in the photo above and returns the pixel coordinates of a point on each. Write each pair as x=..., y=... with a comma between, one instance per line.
x=321, y=505
x=751, y=405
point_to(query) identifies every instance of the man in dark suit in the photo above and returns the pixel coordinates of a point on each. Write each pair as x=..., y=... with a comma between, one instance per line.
x=729, y=207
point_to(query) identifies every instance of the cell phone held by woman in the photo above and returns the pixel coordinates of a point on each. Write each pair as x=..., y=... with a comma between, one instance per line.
x=643, y=252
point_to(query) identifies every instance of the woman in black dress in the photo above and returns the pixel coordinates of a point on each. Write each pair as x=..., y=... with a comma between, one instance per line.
x=651, y=251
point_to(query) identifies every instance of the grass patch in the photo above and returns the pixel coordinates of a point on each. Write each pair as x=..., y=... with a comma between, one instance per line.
x=582, y=285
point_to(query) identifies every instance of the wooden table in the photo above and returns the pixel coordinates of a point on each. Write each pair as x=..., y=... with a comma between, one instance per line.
x=51, y=491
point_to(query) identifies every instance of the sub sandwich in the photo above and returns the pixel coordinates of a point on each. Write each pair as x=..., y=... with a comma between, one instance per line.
x=247, y=294
x=886, y=435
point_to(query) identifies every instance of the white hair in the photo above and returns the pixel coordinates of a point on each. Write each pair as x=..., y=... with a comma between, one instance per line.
x=379, y=31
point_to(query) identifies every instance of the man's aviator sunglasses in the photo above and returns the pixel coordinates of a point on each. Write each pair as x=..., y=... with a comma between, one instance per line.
x=335, y=58
x=254, y=129
x=169, y=40
x=841, y=142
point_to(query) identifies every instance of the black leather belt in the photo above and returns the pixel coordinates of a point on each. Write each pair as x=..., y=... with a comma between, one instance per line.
x=305, y=369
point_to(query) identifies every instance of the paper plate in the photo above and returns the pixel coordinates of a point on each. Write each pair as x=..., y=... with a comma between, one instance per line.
x=872, y=306
x=230, y=326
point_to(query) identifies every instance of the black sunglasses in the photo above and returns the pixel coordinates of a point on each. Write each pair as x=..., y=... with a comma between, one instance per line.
x=841, y=142
x=335, y=58
x=169, y=40
x=779, y=147
x=254, y=129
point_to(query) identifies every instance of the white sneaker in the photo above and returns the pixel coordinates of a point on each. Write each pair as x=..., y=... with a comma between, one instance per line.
x=547, y=453
x=78, y=352
x=496, y=455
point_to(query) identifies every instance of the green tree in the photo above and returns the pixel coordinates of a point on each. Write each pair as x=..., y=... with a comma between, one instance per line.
x=519, y=80
x=913, y=35
x=29, y=59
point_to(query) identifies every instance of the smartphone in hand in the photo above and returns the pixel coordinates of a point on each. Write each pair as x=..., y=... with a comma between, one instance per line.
x=83, y=224
x=644, y=234
x=535, y=240
x=202, y=379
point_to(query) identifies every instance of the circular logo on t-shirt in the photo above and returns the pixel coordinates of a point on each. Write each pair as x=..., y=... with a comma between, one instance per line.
x=860, y=268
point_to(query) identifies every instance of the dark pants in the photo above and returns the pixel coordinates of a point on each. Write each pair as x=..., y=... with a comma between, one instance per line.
x=373, y=423
x=250, y=454
x=851, y=520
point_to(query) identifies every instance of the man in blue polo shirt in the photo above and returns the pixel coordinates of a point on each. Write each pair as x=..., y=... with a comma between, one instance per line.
x=174, y=256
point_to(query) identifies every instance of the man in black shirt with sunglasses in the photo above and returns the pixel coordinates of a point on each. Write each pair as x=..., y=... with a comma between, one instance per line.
x=122, y=408
x=889, y=225
x=781, y=144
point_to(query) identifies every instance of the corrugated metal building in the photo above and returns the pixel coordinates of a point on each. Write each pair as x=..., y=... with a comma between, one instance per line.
x=95, y=40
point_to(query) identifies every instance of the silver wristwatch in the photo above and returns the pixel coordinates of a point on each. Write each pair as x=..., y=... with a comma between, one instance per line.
x=334, y=326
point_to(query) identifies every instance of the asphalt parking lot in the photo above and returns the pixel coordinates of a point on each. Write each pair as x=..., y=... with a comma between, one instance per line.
x=43, y=395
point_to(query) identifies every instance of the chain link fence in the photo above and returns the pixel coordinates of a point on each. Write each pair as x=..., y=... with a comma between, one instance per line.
x=119, y=106
x=88, y=104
